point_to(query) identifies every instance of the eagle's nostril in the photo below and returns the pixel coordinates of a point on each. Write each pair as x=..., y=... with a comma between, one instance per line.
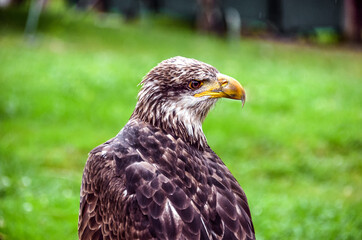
x=224, y=83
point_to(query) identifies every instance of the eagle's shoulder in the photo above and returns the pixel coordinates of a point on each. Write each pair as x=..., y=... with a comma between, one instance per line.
x=229, y=200
x=98, y=177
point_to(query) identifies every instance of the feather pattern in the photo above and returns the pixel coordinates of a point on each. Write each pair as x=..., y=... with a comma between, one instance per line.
x=150, y=182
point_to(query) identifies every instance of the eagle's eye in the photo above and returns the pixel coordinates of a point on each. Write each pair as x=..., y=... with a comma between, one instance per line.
x=194, y=84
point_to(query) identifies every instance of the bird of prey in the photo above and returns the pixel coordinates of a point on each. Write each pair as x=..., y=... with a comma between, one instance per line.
x=158, y=178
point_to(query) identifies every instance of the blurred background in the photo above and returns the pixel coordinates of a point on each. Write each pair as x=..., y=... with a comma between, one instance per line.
x=69, y=72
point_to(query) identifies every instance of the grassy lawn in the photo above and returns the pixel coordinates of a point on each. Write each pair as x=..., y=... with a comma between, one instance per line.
x=295, y=148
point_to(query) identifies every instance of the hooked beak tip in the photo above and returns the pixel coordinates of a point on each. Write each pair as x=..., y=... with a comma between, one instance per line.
x=243, y=98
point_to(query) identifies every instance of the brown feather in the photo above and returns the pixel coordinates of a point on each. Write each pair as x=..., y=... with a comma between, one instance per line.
x=149, y=182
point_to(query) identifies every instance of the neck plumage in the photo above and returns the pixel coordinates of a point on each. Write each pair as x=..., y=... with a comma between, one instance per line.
x=175, y=117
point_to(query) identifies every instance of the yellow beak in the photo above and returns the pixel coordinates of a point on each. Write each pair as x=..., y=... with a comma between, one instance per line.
x=225, y=87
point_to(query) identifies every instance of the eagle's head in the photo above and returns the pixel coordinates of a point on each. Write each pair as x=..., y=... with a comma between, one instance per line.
x=177, y=94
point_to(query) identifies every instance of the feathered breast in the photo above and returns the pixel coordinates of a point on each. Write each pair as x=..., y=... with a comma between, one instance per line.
x=147, y=184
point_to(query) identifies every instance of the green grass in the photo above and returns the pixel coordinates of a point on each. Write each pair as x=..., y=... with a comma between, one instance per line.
x=296, y=146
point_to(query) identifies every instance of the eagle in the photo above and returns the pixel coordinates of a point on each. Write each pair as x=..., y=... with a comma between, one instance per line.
x=158, y=178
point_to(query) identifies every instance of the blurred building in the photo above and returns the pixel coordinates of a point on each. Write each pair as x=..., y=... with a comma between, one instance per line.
x=323, y=18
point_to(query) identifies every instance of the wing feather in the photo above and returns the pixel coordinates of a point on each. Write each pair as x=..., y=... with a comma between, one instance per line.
x=138, y=186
